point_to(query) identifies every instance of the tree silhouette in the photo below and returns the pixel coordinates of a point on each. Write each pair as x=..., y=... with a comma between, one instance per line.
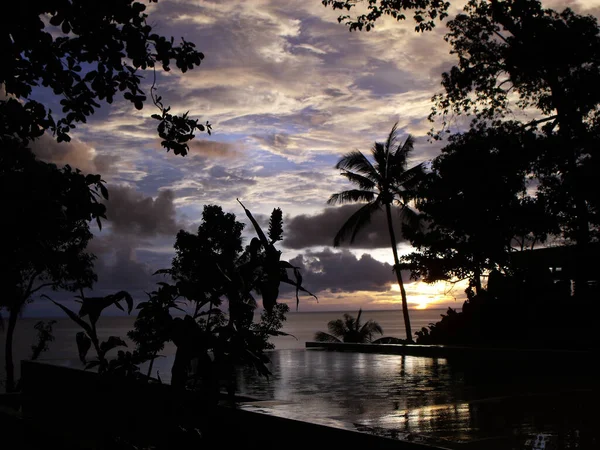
x=349, y=329
x=526, y=50
x=381, y=183
x=46, y=230
x=85, y=53
x=476, y=207
x=425, y=12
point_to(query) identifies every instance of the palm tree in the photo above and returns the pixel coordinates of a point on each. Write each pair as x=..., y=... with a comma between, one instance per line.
x=349, y=330
x=381, y=183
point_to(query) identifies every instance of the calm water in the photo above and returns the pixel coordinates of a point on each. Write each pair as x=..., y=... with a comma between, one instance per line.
x=414, y=398
x=436, y=400
x=302, y=325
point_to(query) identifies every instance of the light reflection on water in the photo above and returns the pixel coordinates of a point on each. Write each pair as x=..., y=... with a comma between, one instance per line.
x=351, y=386
x=450, y=401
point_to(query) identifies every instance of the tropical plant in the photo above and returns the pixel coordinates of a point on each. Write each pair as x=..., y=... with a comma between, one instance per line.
x=126, y=363
x=46, y=222
x=382, y=183
x=350, y=330
x=44, y=336
x=211, y=268
x=152, y=327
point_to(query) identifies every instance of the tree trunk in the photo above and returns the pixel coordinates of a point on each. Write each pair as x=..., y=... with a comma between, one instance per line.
x=8, y=354
x=388, y=212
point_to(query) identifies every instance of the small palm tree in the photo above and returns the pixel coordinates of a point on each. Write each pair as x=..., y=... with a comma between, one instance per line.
x=349, y=329
x=382, y=183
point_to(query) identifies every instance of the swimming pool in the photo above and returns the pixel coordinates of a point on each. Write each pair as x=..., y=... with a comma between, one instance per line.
x=447, y=401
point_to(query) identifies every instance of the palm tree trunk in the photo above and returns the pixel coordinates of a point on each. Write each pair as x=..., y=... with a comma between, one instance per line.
x=8, y=353
x=388, y=212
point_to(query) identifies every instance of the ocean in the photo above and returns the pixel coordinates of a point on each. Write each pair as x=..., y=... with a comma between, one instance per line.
x=301, y=325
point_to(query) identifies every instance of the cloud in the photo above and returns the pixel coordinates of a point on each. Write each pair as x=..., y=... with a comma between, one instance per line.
x=125, y=272
x=126, y=262
x=344, y=272
x=213, y=149
x=75, y=153
x=275, y=142
x=318, y=230
x=132, y=213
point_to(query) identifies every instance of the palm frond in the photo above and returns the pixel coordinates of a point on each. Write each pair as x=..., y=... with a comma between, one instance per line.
x=321, y=336
x=337, y=327
x=363, y=182
x=409, y=178
x=351, y=196
x=392, y=138
x=355, y=223
x=381, y=156
x=371, y=327
x=387, y=154
x=409, y=216
x=400, y=156
x=350, y=322
x=357, y=162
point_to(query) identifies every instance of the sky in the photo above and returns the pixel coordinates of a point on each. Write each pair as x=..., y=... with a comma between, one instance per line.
x=288, y=90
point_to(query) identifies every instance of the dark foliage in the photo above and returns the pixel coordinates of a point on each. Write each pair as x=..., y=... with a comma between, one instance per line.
x=85, y=53
x=349, y=330
x=126, y=364
x=215, y=278
x=476, y=206
x=44, y=336
x=45, y=232
x=425, y=12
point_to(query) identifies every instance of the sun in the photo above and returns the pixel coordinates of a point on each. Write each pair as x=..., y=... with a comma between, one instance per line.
x=422, y=295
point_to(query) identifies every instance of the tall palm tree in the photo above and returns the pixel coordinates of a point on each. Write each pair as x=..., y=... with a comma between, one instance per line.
x=382, y=183
x=349, y=329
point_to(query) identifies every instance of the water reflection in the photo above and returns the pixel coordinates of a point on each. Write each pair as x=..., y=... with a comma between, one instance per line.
x=434, y=398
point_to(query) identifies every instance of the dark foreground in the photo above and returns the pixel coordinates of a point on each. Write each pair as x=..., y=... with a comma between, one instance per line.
x=315, y=397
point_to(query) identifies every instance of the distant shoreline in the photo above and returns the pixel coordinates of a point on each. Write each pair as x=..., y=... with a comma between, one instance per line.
x=258, y=311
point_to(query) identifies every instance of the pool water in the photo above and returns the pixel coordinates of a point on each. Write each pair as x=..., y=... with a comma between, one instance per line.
x=485, y=403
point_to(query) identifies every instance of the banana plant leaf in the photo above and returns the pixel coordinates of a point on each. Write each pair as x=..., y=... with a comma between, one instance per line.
x=93, y=306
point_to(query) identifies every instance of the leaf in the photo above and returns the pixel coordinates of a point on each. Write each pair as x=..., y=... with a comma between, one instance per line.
x=93, y=306
x=74, y=317
x=279, y=333
x=259, y=231
x=298, y=285
x=104, y=191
